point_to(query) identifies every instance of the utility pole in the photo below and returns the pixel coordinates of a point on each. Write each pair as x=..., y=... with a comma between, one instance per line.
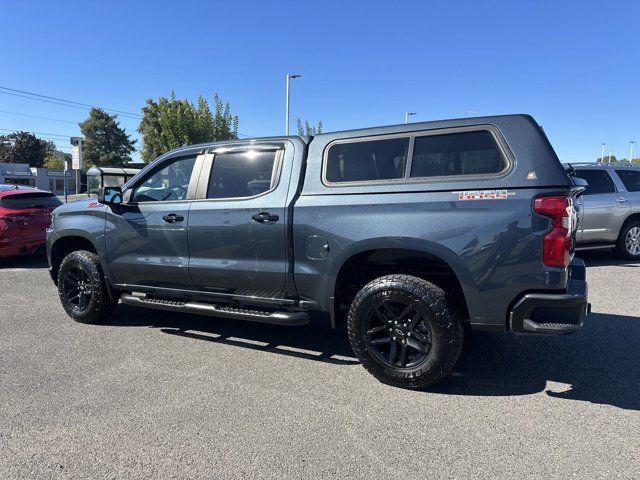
x=286, y=110
x=406, y=116
x=631, y=154
x=609, y=154
x=602, y=156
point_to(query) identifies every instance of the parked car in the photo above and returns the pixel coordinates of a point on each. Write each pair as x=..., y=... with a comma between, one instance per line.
x=25, y=214
x=610, y=208
x=406, y=232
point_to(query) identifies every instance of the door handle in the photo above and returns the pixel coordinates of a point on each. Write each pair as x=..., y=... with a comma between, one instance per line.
x=265, y=217
x=173, y=218
x=622, y=200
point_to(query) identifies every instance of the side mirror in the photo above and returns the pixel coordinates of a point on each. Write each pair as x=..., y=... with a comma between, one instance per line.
x=579, y=186
x=110, y=195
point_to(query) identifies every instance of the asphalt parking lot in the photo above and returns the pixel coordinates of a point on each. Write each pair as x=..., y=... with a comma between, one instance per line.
x=153, y=394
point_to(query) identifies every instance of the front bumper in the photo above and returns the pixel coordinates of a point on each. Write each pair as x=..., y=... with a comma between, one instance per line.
x=553, y=313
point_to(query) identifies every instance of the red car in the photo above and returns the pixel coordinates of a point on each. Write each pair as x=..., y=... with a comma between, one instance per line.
x=25, y=214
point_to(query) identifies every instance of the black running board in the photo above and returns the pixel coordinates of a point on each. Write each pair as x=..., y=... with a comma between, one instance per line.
x=277, y=318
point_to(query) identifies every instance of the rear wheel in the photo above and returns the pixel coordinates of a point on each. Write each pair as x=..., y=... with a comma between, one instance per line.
x=628, y=245
x=82, y=289
x=402, y=331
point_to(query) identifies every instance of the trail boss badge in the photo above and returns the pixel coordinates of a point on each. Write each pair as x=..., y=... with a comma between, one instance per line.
x=484, y=194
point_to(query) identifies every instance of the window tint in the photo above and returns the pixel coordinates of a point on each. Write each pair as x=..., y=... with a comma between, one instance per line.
x=631, y=179
x=167, y=182
x=469, y=153
x=30, y=200
x=242, y=174
x=599, y=181
x=367, y=160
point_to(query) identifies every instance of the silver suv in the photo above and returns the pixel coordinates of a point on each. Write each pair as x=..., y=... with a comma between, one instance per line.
x=610, y=208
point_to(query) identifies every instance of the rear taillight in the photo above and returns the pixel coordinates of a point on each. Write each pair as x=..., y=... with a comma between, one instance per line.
x=556, y=245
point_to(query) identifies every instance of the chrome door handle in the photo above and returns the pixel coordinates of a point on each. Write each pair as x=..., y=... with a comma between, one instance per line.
x=622, y=200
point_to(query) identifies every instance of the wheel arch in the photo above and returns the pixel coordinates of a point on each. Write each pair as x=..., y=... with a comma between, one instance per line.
x=631, y=218
x=64, y=245
x=366, y=260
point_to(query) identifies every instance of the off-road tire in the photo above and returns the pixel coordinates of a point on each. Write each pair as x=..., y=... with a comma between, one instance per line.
x=96, y=307
x=621, y=248
x=428, y=300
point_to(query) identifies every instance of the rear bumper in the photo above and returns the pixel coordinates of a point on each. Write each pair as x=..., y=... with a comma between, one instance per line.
x=553, y=313
x=21, y=246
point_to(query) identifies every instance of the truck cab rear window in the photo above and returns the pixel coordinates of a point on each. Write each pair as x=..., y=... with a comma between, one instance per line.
x=242, y=174
x=466, y=153
x=24, y=201
x=367, y=160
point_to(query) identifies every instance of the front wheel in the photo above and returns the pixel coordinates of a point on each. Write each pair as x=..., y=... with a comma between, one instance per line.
x=82, y=289
x=402, y=331
x=628, y=245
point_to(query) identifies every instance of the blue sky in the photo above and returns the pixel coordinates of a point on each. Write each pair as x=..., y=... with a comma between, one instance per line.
x=575, y=66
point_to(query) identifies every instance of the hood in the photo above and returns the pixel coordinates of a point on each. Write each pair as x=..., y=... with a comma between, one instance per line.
x=79, y=206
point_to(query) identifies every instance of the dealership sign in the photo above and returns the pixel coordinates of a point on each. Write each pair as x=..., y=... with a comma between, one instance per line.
x=76, y=153
x=75, y=157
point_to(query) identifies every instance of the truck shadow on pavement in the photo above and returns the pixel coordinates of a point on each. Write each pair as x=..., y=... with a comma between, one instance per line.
x=310, y=343
x=35, y=261
x=599, y=364
x=604, y=258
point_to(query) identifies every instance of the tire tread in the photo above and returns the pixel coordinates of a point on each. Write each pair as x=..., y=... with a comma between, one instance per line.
x=436, y=301
x=103, y=305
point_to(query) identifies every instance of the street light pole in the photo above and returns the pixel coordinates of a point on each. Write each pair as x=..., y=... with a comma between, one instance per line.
x=286, y=112
x=631, y=154
x=602, y=156
x=64, y=182
x=406, y=116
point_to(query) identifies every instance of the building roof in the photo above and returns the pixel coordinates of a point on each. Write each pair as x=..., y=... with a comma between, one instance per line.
x=112, y=171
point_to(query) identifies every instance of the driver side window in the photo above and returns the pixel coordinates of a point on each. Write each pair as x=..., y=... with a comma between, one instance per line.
x=169, y=181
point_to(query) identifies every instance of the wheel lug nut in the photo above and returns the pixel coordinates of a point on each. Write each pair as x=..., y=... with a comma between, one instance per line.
x=394, y=339
x=408, y=334
x=391, y=329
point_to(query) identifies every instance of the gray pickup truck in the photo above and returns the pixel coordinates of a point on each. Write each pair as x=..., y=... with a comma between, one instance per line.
x=408, y=233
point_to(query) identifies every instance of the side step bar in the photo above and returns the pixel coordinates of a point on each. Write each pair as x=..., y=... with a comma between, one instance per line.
x=278, y=318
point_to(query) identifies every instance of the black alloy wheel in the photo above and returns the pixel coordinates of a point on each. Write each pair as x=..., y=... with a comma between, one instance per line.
x=82, y=288
x=78, y=288
x=404, y=332
x=397, y=333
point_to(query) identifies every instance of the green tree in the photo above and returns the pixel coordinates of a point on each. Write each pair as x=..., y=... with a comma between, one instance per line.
x=24, y=147
x=56, y=158
x=105, y=143
x=168, y=123
x=307, y=129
